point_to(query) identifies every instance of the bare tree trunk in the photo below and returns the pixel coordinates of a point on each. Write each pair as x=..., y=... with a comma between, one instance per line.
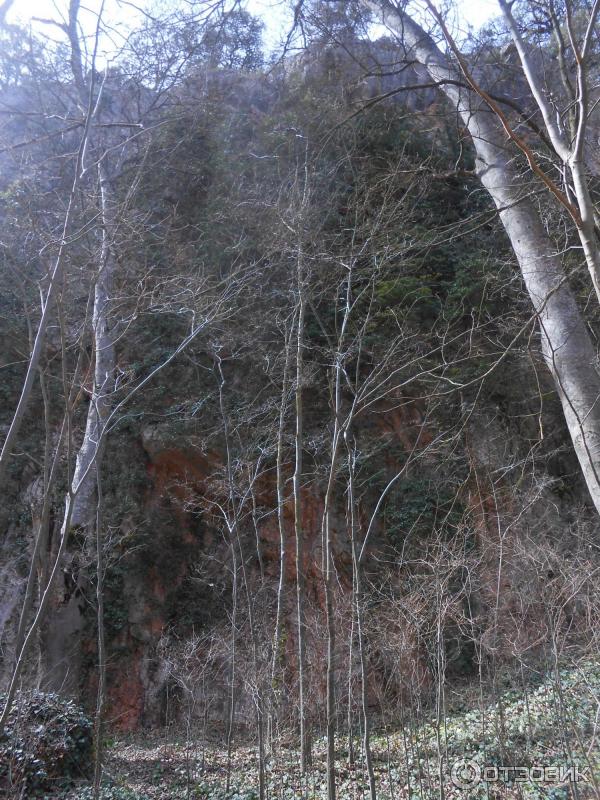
x=276, y=655
x=570, y=148
x=305, y=758
x=440, y=681
x=232, y=525
x=100, y=697
x=358, y=604
x=349, y=722
x=566, y=344
x=259, y=694
x=89, y=457
x=92, y=447
x=330, y=621
x=338, y=429
x=232, y=673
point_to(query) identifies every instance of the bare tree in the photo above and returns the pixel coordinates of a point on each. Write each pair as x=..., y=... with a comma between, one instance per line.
x=567, y=346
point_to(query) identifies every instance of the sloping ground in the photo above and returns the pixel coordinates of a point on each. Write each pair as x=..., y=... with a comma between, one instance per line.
x=551, y=733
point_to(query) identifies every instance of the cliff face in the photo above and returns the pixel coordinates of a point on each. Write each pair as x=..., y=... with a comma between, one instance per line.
x=481, y=538
x=180, y=581
x=467, y=523
x=172, y=585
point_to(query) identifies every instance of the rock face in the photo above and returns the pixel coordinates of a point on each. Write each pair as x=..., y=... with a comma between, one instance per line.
x=177, y=582
x=169, y=582
x=464, y=519
x=176, y=588
x=180, y=582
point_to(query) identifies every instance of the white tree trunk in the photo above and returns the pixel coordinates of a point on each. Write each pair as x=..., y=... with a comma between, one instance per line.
x=62, y=633
x=84, y=507
x=566, y=343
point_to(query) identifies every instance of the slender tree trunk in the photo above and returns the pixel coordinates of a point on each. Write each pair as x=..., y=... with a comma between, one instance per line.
x=232, y=526
x=349, y=720
x=340, y=426
x=100, y=697
x=90, y=454
x=440, y=680
x=83, y=500
x=359, y=604
x=232, y=672
x=259, y=698
x=305, y=758
x=259, y=694
x=277, y=655
x=566, y=344
x=331, y=717
x=328, y=567
x=92, y=446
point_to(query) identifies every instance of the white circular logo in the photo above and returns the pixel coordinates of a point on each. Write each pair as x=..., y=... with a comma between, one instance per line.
x=466, y=773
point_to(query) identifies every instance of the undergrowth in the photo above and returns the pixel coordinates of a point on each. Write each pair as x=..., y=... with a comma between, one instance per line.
x=552, y=726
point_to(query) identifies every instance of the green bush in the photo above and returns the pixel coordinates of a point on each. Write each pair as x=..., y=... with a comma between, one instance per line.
x=47, y=743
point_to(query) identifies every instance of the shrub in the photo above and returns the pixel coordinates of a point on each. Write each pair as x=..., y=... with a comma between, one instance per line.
x=47, y=743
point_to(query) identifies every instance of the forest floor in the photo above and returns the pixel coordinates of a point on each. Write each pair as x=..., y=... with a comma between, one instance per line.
x=544, y=732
